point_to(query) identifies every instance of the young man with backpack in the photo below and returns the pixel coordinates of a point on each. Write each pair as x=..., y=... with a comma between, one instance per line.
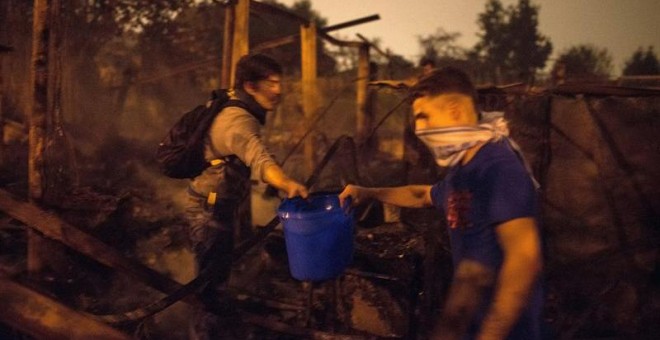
x=234, y=149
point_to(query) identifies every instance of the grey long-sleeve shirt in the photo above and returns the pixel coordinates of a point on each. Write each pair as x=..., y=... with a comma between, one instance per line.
x=233, y=132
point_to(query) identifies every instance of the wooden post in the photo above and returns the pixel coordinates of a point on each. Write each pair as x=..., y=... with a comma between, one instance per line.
x=362, y=116
x=38, y=118
x=239, y=47
x=2, y=118
x=241, y=36
x=309, y=88
x=227, y=47
x=5, y=8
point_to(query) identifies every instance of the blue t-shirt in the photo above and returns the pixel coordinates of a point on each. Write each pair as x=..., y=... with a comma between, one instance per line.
x=494, y=187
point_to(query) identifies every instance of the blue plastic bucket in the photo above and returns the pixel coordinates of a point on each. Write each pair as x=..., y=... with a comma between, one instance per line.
x=319, y=236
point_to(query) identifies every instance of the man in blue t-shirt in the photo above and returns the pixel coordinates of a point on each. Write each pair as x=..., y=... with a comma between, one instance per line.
x=488, y=199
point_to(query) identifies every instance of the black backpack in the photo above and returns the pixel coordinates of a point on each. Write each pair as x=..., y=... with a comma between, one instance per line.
x=181, y=153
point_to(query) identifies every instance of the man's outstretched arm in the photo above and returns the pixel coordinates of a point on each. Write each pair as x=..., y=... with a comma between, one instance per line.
x=409, y=196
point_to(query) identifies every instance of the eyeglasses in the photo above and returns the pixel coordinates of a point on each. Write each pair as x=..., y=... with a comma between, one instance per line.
x=271, y=83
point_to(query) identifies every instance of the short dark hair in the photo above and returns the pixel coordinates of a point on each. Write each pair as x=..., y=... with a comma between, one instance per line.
x=442, y=81
x=255, y=67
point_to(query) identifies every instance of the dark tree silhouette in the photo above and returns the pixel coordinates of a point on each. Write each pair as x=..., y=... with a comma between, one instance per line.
x=529, y=49
x=441, y=45
x=511, y=46
x=642, y=63
x=492, y=47
x=585, y=62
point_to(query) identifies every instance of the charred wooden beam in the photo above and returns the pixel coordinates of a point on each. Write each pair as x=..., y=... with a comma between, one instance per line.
x=569, y=89
x=275, y=10
x=322, y=32
x=403, y=84
x=372, y=45
x=44, y=318
x=289, y=39
x=350, y=23
x=338, y=42
x=603, y=90
x=54, y=228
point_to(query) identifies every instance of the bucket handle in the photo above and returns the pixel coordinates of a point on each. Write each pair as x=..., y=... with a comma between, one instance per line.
x=347, y=208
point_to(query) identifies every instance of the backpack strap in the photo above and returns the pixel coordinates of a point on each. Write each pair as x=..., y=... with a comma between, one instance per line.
x=229, y=103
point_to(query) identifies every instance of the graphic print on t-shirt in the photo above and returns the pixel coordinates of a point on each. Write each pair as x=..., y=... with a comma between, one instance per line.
x=458, y=205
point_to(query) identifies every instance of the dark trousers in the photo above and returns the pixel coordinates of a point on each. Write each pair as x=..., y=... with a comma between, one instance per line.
x=211, y=233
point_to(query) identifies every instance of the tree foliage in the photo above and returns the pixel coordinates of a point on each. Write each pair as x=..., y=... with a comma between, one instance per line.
x=266, y=27
x=101, y=19
x=154, y=46
x=529, y=49
x=441, y=45
x=492, y=47
x=304, y=9
x=442, y=48
x=510, y=44
x=642, y=63
x=585, y=62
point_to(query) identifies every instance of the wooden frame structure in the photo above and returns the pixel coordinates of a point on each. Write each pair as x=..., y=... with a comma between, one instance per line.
x=235, y=45
x=44, y=228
